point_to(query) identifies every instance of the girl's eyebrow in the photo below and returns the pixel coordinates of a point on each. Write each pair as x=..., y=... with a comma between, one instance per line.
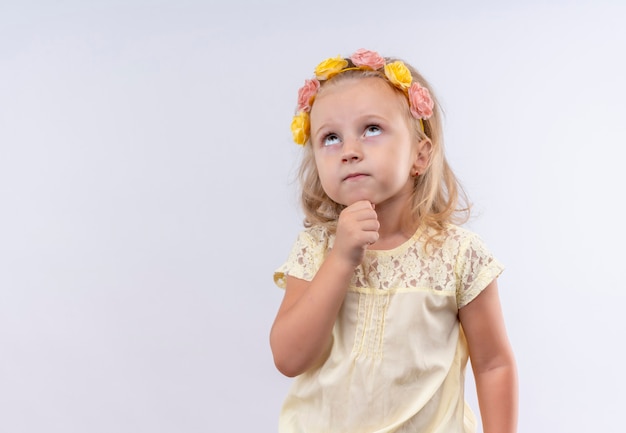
x=323, y=128
x=363, y=118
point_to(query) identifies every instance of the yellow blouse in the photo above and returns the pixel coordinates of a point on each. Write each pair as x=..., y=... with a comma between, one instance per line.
x=397, y=362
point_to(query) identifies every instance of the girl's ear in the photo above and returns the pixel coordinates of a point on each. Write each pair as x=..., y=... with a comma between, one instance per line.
x=422, y=156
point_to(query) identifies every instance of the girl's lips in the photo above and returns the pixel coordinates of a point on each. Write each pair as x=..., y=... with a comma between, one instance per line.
x=355, y=176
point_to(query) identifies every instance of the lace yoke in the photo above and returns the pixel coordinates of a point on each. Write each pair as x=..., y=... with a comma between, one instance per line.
x=461, y=265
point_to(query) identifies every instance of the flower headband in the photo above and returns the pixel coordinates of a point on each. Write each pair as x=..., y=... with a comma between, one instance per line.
x=420, y=102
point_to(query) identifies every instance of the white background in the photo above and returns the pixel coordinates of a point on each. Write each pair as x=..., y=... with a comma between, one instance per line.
x=147, y=194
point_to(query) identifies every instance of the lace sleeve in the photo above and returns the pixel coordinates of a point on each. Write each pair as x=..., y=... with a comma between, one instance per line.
x=305, y=258
x=476, y=268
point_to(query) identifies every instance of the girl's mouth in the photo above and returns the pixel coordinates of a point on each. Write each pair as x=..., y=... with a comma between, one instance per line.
x=354, y=176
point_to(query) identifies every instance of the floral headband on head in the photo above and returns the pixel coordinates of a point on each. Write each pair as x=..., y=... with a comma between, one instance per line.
x=420, y=102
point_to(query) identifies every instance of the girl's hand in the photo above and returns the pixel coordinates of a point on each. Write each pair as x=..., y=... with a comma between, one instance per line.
x=357, y=228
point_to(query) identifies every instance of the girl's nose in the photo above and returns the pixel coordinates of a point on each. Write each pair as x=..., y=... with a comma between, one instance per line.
x=351, y=150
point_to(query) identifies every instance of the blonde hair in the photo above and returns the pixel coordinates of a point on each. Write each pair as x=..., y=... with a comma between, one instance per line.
x=437, y=200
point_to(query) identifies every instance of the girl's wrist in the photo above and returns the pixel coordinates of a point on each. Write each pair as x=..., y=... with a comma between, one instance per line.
x=342, y=263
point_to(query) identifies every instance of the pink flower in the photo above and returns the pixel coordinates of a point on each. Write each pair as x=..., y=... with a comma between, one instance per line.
x=306, y=94
x=367, y=58
x=420, y=101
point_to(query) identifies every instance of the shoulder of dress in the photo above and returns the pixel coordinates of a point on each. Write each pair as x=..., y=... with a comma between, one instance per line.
x=456, y=237
x=317, y=235
x=316, y=232
x=456, y=232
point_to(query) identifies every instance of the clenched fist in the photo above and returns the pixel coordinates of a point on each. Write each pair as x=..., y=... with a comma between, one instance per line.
x=357, y=228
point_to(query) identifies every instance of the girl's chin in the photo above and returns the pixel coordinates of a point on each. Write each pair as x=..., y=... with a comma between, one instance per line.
x=356, y=200
x=350, y=199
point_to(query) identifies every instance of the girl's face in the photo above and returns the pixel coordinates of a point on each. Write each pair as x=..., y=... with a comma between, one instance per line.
x=363, y=144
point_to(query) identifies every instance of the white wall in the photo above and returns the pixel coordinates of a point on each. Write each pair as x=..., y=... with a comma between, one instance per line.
x=146, y=195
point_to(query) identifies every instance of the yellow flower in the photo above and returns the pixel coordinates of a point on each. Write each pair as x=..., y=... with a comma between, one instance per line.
x=300, y=126
x=398, y=74
x=329, y=67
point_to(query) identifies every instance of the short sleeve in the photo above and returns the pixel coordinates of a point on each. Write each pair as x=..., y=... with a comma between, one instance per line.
x=305, y=258
x=476, y=267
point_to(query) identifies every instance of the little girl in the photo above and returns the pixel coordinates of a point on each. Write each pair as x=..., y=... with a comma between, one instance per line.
x=385, y=296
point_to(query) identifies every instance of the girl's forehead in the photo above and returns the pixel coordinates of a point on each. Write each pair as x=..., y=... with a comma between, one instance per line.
x=352, y=92
x=355, y=83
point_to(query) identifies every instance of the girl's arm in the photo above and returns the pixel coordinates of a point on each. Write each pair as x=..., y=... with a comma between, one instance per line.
x=492, y=361
x=302, y=330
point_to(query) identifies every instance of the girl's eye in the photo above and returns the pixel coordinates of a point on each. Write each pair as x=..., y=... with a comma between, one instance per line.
x=330, y=140
x=372, y=131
